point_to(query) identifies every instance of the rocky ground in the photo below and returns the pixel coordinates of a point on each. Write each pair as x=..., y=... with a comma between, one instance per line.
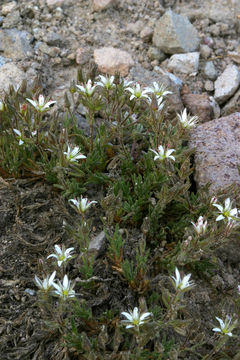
x=49, y=40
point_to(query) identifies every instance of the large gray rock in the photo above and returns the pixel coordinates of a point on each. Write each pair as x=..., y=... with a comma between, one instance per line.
x=10, y=74
x=15, y=44
x=217, y=156
x=184, y=63
x=174, y=33
x=227, y=83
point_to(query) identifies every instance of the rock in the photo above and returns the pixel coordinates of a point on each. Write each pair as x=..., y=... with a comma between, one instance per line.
x=15, y=44
x=209, y=85
x=48, y=50
x=184, y=63
x=156, y=54
x=215, y=107
x=82, y=56
x=97, y=244
x=227, y=83
x=54, y=39
x=233, y=105
x=4, y=60
x=197, y=104
x=210, y=71
x=109, y=60
x=55, y=3
x=205, y=51
x=217, y=156
x=10, y=74
x=146, y=34
x=99, y=5
x=174, y=33
x=136, y=27
x=12, y=20
x=9, y=7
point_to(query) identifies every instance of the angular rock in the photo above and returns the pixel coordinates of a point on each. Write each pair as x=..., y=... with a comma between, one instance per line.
x=174, y=33
x=184, y=63
x=156, y=54
x=10, y=74
x=210, y=71
x=99, y=5
x=54, y=39
x=197, y=104
x=227, y=83
x=82, y=56
x=12, y=20
x=217, y=156
x=146, y=33
x=233, y=105
x=15, y=44
x=9, y=7
x=97, y=244
x=109, y=60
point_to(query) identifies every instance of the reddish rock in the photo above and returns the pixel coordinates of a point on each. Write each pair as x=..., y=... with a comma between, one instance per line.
x=217, y=156
x=99, y=5
x=109, y=60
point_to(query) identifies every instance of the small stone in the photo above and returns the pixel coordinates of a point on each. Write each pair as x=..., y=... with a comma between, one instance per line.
x=3, y=60
x=51, y=51
x=227, y=83
x=156, y=54
x=109, y=60
x=184, y=63
x=7, y=8
x=209, y=85
x=136, y=27
x=146, y=34
x=205, y=51
x=82, y=56
x=11, y=20
x=99, y=5
x=233, y=105
x=55, y=3
x=217, y=155
x=215, y=108
x=210, y=71
x=10, y=74
x=174, y=33
x=54, y=39
x=97, y=244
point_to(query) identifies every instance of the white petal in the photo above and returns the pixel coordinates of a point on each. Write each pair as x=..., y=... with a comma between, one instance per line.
x=67, y=252
x=52, y=278
x=38, y=282
x=220, y=322
x=58, y=249
x=227, y=203
x=145, y=315
x=217, y=330
x=127, y=315
x=21, y=142
x=220, y=208
x=33, y=103
x=41, y=100
x=17, y=132
x=65, y=281
x=220, y=217
x=52, y=255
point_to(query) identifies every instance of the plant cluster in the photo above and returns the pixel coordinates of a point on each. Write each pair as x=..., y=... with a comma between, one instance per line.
x=140, y=163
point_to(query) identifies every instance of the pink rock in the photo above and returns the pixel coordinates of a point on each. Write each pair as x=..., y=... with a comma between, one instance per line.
x=99, y=5
x=55, y=3
x=109, y=60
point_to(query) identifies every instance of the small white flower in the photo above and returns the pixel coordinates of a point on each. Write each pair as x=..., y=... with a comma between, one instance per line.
x=64, y=289
x=135, y=319
x=162, y=154
x=82, y=204
x=106, y=81
x=186, y=120
x=74, y=154
x=225, y=328
x=226, y=212
x=200, y=226
x=158, y=90
x=88, y=88
x=62, y=255
x=182, y=284
x=46, y=284
x=1, y=106
x=137, y=92
x=40, y=105
x=213, y=200
x=19, y=136
x=34, y=133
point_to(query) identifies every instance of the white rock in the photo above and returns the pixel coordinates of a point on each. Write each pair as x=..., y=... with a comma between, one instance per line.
x=227, y=83
x=109, y=60
x=184, y=63
x=10, y=74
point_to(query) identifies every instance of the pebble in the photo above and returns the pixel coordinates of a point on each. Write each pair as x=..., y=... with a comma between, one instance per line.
x=210, y=71
x=10, y=74
x=8, y=8
x=55, y=3
x=156, y=54
x=205, y=51
x=109, y=60
x=174, y=33
x=99, y=5
x=227, y=83
x=82, y=56
x=97, y=244
x=146, y=34
x=184, y=63
x=54, y=39
x=209, y=85
x=11, y=20
x=217, y=155
x=136, y=27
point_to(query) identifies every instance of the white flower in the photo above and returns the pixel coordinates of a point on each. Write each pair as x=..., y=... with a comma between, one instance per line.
x=40, y=105
x=137, y=92
x=82, y=204
x=135, y=319
x=225, y=328
x=106, y=82
x=158, y=90
x=226, y=212
x=74, y=154
x=62, y=255
x=1, y=106
x=19, y=136
x=87, y=89
x=182, y=284
x=47, y=283
x=162, y=154
x=127, y=83
x=64, y=289
x=200, y=226
x=186, y=120
x=213, y=200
